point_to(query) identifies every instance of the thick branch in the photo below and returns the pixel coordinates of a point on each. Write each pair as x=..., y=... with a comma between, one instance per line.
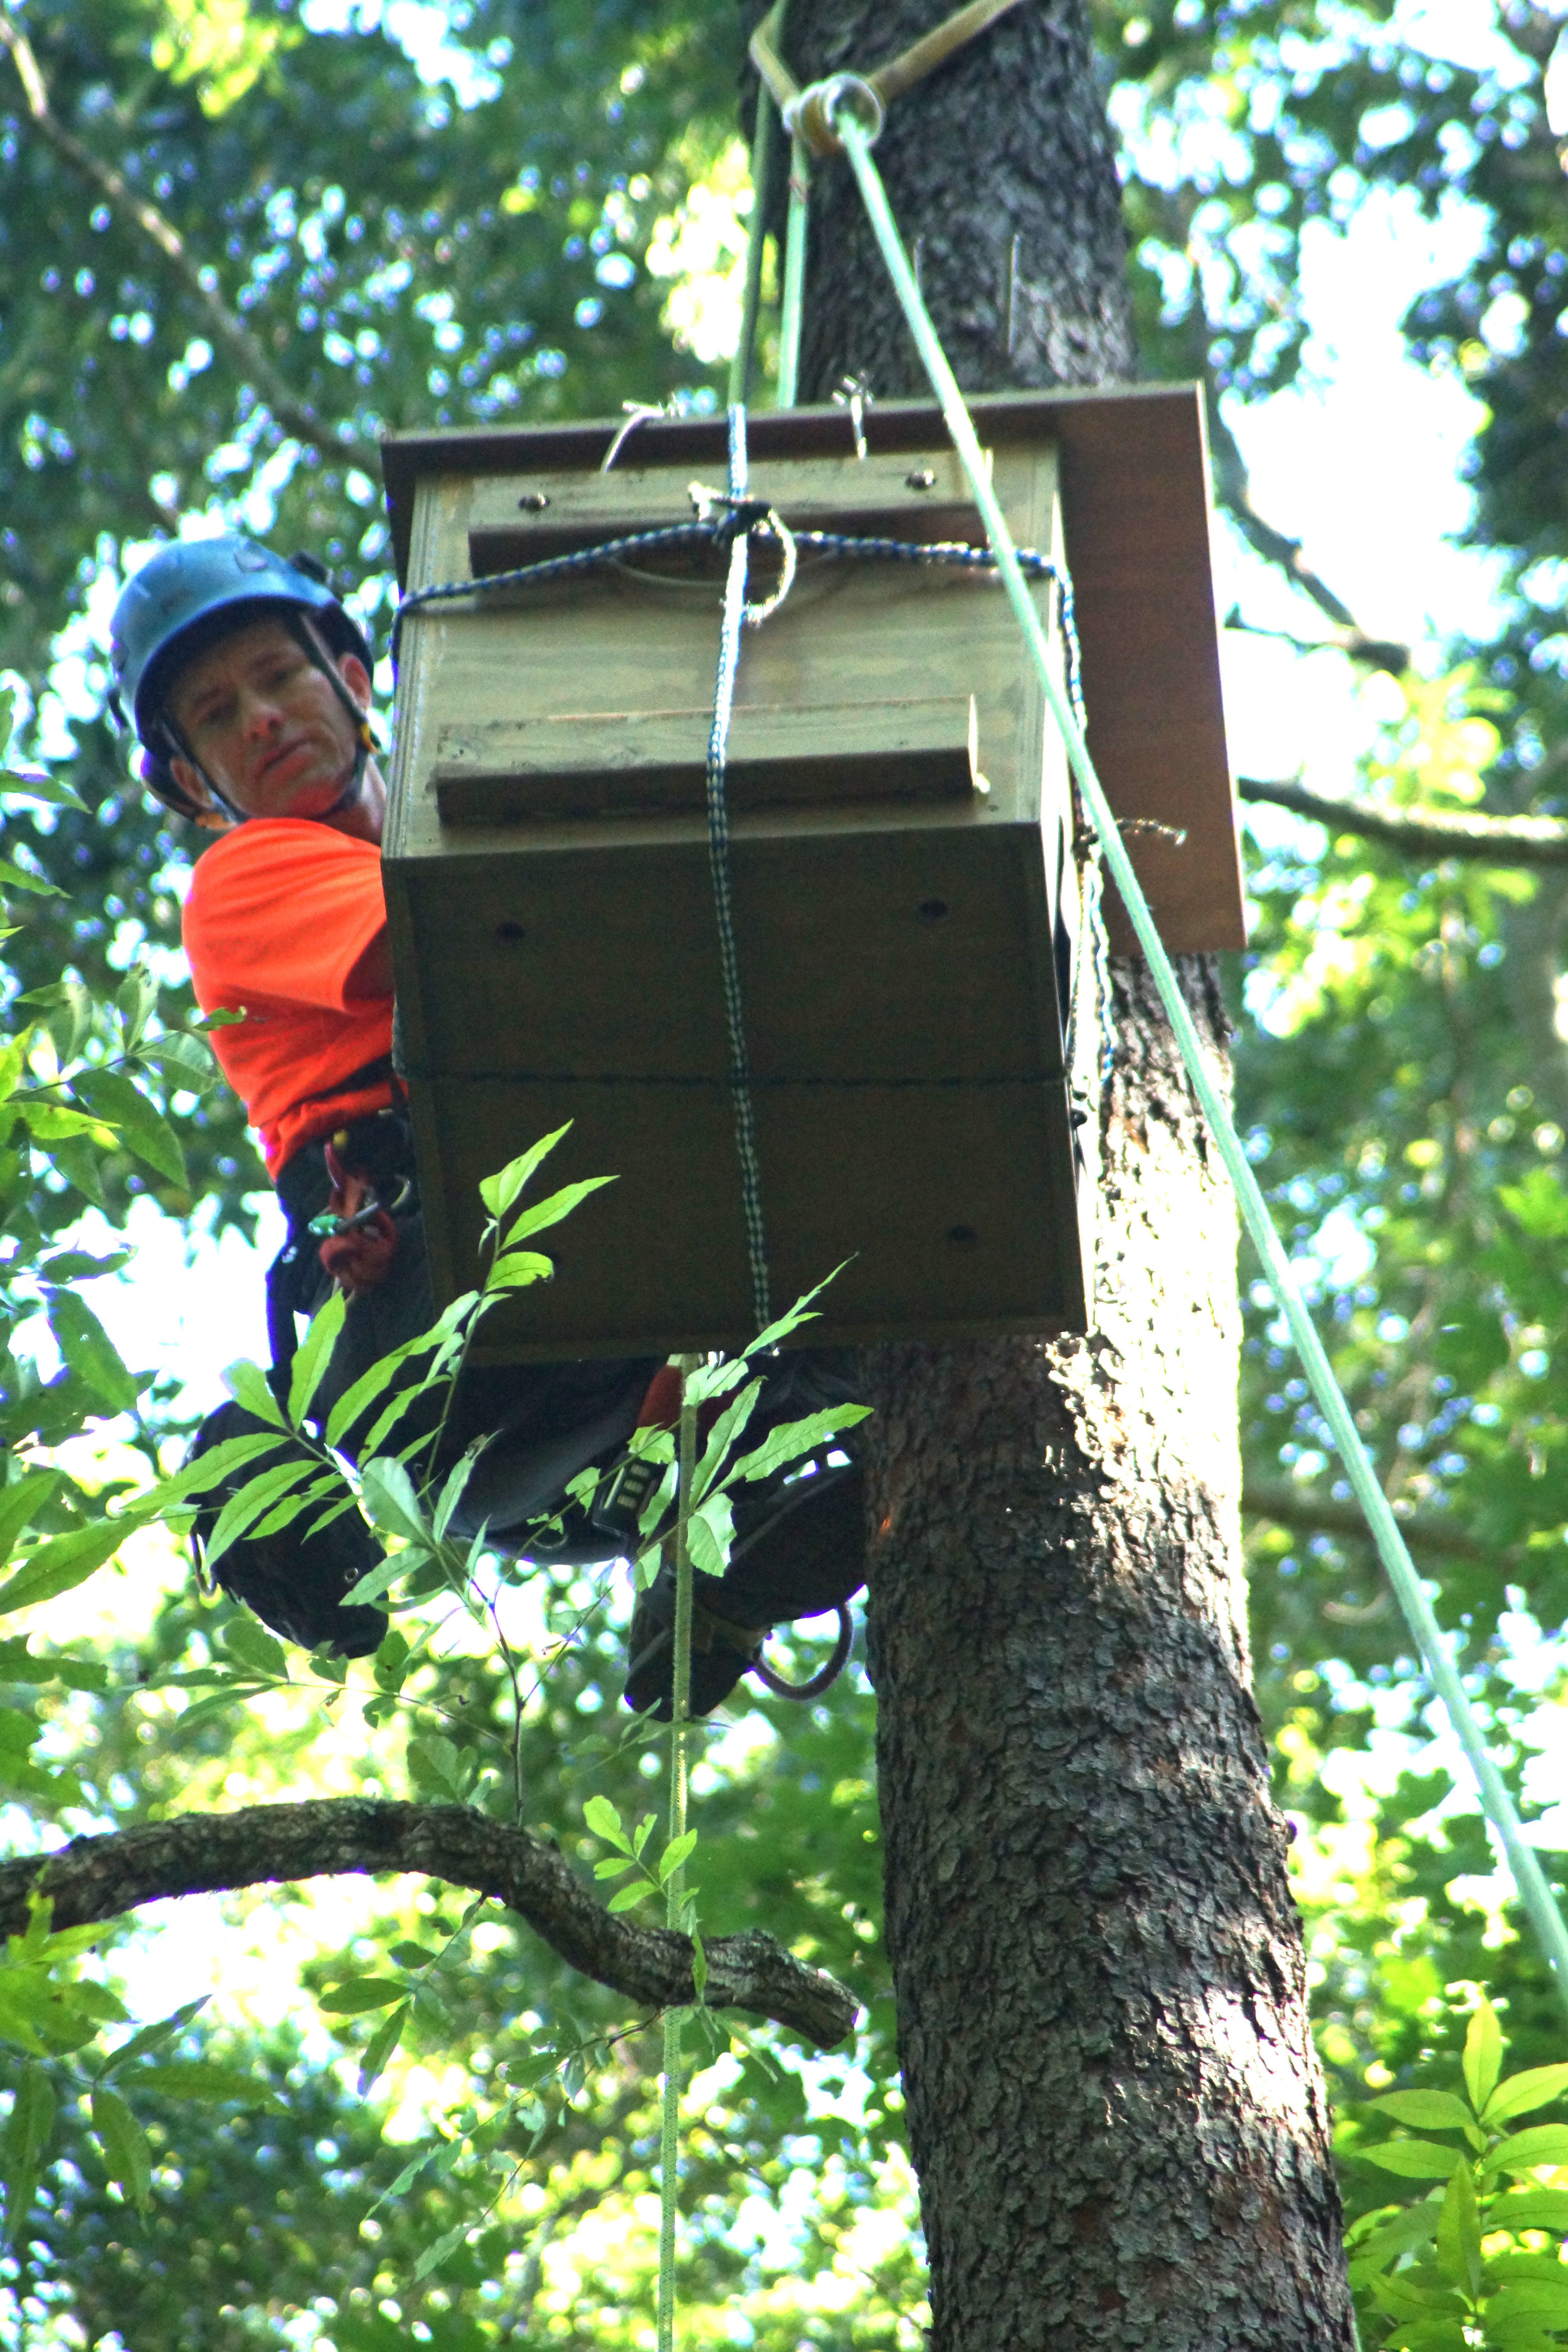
x=244, y=350
x=99, y=1878
x=1422, y=831
x=1429, y=1534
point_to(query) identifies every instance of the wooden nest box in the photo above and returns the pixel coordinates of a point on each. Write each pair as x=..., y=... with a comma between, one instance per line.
x=906, y=897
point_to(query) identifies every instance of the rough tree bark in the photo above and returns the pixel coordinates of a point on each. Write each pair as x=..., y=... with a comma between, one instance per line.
x=1116, y=2112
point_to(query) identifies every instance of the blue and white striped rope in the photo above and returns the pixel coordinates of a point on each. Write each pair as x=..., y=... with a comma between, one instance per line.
x=740, y=1094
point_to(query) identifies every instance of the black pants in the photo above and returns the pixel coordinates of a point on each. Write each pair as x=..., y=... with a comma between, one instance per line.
x=543, y=1422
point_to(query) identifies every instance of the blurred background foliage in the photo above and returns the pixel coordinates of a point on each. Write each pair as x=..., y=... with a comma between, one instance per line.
x=247, y=239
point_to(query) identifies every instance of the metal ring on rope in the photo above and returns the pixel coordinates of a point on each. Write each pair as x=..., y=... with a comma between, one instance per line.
x=825, y=1677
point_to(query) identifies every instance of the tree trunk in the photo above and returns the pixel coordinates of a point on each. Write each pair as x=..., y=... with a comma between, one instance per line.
x=1116, y=2112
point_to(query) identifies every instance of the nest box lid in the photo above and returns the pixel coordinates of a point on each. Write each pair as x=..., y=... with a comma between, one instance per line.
x=1135, y=511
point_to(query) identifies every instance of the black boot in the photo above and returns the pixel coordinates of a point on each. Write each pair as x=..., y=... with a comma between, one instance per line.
x=799, y=1552
x=294, y=1582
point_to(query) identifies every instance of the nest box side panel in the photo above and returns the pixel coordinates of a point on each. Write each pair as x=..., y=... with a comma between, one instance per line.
x=906, y=945
x=1135, y=491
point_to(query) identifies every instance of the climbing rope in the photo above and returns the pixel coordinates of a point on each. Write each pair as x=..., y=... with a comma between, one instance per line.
x=854, y=112
x=750, y=516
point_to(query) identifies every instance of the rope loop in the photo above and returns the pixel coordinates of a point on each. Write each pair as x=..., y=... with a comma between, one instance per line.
x=811, y=115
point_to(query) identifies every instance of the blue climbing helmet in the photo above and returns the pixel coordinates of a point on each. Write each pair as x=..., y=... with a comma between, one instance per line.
x=179, y=601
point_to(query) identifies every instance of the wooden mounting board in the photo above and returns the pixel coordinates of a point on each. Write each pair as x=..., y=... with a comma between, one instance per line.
x=1134, y=493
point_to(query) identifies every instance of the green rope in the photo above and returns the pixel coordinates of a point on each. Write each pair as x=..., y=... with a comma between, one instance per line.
x=762, y=151
x=1528, y=1875
x=680, y=1791
x=794, y=272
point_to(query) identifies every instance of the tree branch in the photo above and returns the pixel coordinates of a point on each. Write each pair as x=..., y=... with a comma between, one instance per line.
x=1422, y=831
x=1233, y=489
x=1428, y=1534
x=255, y=368
x=99, y=1878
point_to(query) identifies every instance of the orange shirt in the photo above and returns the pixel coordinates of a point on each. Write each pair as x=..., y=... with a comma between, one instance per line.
x=280, y=911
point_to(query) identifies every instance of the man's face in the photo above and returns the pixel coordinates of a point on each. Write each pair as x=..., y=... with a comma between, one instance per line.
x=265, y=724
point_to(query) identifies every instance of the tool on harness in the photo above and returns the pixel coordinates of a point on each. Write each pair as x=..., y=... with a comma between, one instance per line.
x=357, y=1235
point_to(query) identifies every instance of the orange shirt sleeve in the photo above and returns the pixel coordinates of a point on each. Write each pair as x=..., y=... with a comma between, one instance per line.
x=282, y=909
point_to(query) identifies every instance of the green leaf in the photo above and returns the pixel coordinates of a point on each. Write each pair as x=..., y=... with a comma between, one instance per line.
x=1414, y=2227
x=80, y=1265
x=452, y=1490
x=381, y=2045
x=436, y=1764
x=792, y=1439
x=614, y=1867
x=1427, y=2110
x=499, y=1191
x=18, y=877
x=315, y=1354
x=710, y=1532
x=198, y=2078
x=211, y=1469
x=674, y=1854
x=603, y=1819
x=135, y=1000
x=186, y=1062
x=1520, y=2093
x=17, y=786
x=254, y=1499
x=1483, y=2054
x=413, y=1956
x=248, y=1386
x=51, y=1122
x=328, y=1485
x=797, y=1315
x=440, y=2249
x=31, y=2120
x=111, y=1094
x=376, y=1583
x=392, y=1503
x=63, y=1563
x=550, y=1211
x=723, y=1435
x=205, y=1709
x=125, y=2143
x=254, y=1647
x=1413, y=2160
x=151, y=2037
x=355, y=1995
x=699, y=1965
x=518, y=1269
x=1530, y=2208
x=1542, y=2144
x=77, y=1161
x=356, y=1399
x=624, y=1898
x=89, y=1351
x=1538, y=2299
x=22, y=1502
x=1460, y=2235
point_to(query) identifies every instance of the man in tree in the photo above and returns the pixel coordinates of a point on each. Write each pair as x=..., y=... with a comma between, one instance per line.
x=249, y=687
